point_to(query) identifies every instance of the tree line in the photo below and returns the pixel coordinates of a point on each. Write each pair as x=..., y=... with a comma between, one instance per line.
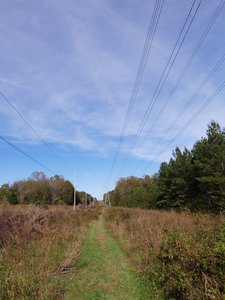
x=42, y=191
x=192, y=179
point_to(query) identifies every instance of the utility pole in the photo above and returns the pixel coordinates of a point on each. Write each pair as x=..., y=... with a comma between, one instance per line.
x=74, y=193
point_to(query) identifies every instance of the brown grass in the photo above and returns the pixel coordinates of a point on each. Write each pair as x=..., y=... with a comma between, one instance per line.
x=167, y=246
x=37, y=245
x=145, y=229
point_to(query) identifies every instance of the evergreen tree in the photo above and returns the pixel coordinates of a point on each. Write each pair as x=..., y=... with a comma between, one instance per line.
x=209, y=168
x=175, y=181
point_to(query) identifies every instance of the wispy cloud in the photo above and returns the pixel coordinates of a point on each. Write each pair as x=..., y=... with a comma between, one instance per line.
x=69, y=68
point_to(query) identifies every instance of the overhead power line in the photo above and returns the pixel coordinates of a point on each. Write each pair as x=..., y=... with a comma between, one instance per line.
x=205, y=104
x=27, y=155
x=175, y=51
x=141, y=68
x=167, y=69
x=189, y=101
x=186, y=67
x=33, y=130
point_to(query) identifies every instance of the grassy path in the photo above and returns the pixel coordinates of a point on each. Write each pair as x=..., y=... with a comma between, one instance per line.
x=104, y=271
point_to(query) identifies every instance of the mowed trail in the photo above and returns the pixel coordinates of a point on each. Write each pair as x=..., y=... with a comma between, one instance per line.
x=104, y=271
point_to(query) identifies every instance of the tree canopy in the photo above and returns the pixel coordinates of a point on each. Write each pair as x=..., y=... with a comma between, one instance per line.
x=192, y=179
x=42, y=191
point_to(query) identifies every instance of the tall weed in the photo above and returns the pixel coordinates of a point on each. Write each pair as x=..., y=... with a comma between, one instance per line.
x=182, y=254
x=38, y=248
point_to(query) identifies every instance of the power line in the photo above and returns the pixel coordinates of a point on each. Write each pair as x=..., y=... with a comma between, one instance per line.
x=27, y=155
x=167, y=70
x=203, y=84
x=191, y=99
x=198, y=46
x=175, y=51
x=205, y=104
x=142, y=64
x=147, y=46
x=33, y=130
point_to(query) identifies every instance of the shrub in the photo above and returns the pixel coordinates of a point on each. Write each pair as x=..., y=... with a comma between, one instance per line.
x=194, y=266
x=37, y=245
x=181, y=254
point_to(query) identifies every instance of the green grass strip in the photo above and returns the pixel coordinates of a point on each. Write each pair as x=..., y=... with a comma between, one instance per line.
x=104, y=271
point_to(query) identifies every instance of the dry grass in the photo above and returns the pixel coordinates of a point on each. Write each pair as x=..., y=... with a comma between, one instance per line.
x=36, y=246
x=174, y=249
x=145, y=230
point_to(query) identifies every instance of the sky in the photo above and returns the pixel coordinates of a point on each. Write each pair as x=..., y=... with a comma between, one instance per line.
x=67, y=70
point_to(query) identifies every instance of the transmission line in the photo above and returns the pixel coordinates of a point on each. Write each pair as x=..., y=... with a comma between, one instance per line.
x=27, y=155
x=176, y=49
x=33, y=130
x=191, y=100
x=198, y=46
x=141, y=68
x=167, y=70
x=205, y=104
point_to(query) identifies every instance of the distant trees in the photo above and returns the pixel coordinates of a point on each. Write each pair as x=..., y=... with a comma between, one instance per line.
x=84, y=198
x=193, y=180
x=134, y=192
x=61, y=190
x=30, y=191
x=41, y=191
x=8, y=194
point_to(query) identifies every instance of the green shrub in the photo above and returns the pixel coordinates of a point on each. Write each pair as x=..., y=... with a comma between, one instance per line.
x=193, y=267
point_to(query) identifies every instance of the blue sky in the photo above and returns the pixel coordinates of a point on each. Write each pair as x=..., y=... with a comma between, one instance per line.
x=69, y=67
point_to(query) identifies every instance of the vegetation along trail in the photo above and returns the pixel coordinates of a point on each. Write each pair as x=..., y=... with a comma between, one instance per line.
x=104, y=271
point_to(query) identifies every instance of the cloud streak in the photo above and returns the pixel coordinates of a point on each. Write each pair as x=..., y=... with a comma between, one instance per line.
x=69, y=67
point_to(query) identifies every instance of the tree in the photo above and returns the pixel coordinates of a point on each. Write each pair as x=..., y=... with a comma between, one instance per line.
x=42, y=191
x=36, y=176
x=209, y=167
x=175, y=181
x=8, y=194
x=195, y=179
x=62, y=190
x=134, y=192
x=67, y=193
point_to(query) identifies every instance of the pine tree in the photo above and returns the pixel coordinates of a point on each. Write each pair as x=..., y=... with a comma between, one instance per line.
x=209, y=166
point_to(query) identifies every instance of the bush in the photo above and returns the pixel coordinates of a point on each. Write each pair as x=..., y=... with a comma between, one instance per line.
x=37, y=245
x=193, y=267
x=181, y=254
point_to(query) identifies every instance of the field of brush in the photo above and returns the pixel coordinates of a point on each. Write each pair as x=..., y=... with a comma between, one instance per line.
x=181, y=254
x=38, y=247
